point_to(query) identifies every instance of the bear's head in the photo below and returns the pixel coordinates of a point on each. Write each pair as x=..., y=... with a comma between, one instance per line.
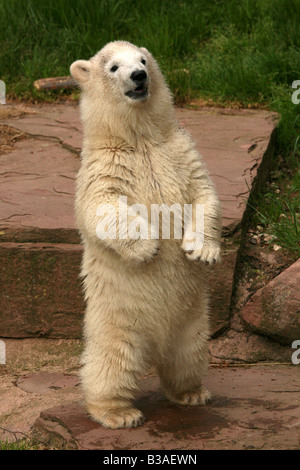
x=123, y=90
x=120, y=67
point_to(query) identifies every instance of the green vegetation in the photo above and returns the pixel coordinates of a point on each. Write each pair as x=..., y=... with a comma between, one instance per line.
x=238, y=51
x=229, y=52
x=278, y=211
x=23, y=444
x=277, y=208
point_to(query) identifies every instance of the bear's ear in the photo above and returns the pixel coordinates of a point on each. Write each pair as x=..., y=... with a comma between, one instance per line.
x=80, y=70
x=145, y=50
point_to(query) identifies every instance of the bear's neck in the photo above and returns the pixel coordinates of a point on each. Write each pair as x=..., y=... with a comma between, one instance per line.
x=137, y=126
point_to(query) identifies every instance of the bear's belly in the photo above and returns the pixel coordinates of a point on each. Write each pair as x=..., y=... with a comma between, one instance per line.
x=169, y=285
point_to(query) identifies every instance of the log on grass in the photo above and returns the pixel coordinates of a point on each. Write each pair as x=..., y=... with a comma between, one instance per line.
x=55, y=83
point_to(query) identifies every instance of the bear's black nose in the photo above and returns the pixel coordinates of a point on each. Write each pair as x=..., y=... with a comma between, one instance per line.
x=139, y=76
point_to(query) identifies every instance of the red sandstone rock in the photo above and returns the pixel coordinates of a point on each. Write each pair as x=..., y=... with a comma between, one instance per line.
x=40, y=291
x=251, y=408
x=43, y=382
x=36, y=207
x=274, y=310
x=232, y=143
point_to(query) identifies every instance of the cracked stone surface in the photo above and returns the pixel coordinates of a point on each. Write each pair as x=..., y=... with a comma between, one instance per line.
x=253, y=408
x=37, y=178
x=38, y=374
x=37, y=224
x=37, y=186
x=43, y=382
x=232, y=143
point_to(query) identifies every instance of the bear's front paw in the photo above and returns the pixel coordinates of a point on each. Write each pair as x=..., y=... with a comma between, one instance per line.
x=117, y=418
x=210, y=253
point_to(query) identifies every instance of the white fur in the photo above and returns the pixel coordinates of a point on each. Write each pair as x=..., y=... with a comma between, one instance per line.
x=146, y=299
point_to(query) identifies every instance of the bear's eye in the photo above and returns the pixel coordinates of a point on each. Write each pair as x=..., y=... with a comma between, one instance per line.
x=143, y=61
x=114, y=68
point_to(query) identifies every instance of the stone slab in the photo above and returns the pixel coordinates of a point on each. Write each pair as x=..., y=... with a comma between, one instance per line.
x=253, y=408
x=40, y=292
x=274, y=310
x=239, y=346
x=39, y=373
x=37, y=185
x=220, y=284
x=232, y=143
x=43, y=382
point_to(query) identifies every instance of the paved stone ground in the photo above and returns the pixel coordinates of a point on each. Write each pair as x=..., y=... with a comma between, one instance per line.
x=40, y=296
x=45, y=361
x=232, y=142
x=39, y=244
x=253, y=408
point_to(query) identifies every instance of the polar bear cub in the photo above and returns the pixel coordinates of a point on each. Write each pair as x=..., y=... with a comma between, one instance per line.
x=146, y=299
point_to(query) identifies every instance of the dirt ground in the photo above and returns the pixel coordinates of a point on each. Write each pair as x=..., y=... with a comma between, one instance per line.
x=255, y=406
x=28, y=358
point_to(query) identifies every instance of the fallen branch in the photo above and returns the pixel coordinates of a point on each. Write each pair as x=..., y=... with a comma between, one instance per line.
x=55, y=83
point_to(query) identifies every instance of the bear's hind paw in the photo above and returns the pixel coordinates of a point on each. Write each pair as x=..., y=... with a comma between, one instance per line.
x=198, y=397
x=117, y=418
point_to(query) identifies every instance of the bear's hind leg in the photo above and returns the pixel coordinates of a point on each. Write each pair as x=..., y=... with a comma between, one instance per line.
x=182, y=370
x=110, y=374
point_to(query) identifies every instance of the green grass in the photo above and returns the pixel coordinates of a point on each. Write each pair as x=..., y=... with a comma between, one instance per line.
x=233, y=52
x=277, y=208
x=278, y=211
x=23, y=444
x=230, y=50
